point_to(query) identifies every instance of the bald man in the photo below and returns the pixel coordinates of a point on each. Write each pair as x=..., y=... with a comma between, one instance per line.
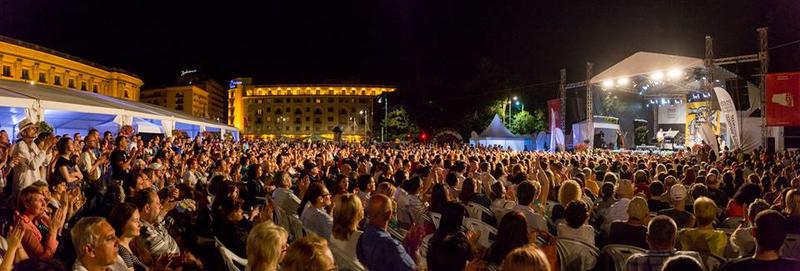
x=377, y=249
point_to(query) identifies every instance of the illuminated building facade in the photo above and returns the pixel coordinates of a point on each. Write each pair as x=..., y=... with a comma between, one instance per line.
x=22, y=61
x=192, y=93
x=190, y=99
x=302, y=111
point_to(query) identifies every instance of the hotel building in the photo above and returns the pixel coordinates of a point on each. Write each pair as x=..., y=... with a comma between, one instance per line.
x=302, y=111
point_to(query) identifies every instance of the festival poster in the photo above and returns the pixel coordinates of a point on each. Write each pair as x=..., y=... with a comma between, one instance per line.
x=782, y=90
x=698, y=113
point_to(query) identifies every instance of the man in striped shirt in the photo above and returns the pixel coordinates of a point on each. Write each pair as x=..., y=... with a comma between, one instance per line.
x=154, y=235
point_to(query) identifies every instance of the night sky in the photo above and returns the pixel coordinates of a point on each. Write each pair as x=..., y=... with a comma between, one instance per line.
x=445, y=56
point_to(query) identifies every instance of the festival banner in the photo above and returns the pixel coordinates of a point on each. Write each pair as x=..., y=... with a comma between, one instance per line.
x=728, y=109
x=782, y=89
x=698, y=113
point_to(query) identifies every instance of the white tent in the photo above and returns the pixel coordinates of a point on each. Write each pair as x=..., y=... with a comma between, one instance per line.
x=497, y=135
x=70, y=111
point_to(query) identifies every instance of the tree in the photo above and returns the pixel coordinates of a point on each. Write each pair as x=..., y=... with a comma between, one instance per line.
x=524, y=122
x=398, y=124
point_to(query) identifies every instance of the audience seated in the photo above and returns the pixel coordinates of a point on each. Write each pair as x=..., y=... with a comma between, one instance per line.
x=742, y=238
x=682, y=263
x=313, y=210
x=347, y=213
x=376, y=249
x=704, y=238
x=633, y=231
x=266, y=247
x=575, y=225
x=95, y=245
x=527, y=258
x=310, y=253
x=679, y=194
x=661, y=238
x=526, y=193
x=770, y=232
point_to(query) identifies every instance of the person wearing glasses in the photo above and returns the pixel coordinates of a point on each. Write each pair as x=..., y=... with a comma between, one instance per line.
x=313, y=210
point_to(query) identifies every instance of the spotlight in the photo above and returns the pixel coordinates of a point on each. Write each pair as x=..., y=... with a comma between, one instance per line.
x=623, y=81
x=608, y=83
x=675, y=73
x=657, y=76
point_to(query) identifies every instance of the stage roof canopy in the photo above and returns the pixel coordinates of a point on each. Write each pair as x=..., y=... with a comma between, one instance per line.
x=645, y=63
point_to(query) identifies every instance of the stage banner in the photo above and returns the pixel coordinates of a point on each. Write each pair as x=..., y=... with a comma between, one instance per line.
x=728, y=109
x=554, y=114
x=782, y=90
x=672, y=113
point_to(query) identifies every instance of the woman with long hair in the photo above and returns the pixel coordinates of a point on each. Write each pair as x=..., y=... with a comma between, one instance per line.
x=746, y=194
x=512, y=233
x=124, y=218
x=347, y=212
x=266, y=247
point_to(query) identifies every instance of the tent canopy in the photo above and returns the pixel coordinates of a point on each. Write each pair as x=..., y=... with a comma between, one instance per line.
x=67, y=108
x=496, y=129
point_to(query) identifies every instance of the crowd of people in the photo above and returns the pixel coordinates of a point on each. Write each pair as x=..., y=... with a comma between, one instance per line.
x=145, y=202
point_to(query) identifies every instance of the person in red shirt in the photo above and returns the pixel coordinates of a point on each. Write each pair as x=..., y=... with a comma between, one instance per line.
x=41, y=231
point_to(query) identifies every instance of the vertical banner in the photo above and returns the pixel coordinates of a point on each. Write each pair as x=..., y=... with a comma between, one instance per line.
x=782, y=90
x=554, y=118
x=728, y=110
x=697, y=114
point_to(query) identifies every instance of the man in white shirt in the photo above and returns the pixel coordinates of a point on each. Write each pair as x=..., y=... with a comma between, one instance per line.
x=284, y=198
x=96, y=245
x=486, y=179
x=526, y=192
x=30, y=157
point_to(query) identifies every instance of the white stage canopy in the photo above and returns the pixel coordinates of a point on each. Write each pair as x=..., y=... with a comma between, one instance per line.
x=70, y=111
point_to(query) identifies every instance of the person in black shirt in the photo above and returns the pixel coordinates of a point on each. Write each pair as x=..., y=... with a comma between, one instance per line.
x=120, y=162
x=716, y=194
x=65, y=170
x=770, y=232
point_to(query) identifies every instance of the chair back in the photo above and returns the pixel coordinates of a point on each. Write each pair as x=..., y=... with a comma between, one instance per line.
x=712, y=262
x=791, y=247
x=228, y=257
x=436, y=217
x=343, y=262
x=477, y=211
x=487, y=233
x=617, y=256
x=732, y=222
x=576, y=255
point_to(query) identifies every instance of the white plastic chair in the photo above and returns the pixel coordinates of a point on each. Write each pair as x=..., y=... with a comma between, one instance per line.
x=487, y=233
x=791, y=247
x=344, y=263
x=477, y=211
x=576, y=255
x=436, y=217
x=619, y=254
x=230, y=258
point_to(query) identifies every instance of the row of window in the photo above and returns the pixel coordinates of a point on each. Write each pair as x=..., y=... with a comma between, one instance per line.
x=260, y=120
x=26, y=75
x=298, y=128
x=317, y=111
x=308, y=100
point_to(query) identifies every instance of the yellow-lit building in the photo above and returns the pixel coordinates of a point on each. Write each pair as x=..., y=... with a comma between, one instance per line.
x=190, y=99
x=302, y=111
x=22, y=61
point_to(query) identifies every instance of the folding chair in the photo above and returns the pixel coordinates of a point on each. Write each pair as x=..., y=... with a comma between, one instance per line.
x=230, y=258
x=477, y=211
x=791, y=247
x=618, y=255
x=487, y=232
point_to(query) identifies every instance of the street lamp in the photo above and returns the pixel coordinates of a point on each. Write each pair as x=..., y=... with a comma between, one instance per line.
x=366, y=123
x=385, y=101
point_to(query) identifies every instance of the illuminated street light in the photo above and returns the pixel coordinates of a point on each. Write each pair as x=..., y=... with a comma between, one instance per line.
x=515, y=98
x=608, y=83
x=623, y=81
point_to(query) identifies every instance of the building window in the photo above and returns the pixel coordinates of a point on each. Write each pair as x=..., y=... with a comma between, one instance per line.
x=57, y=80
x=307, y=128
x=26, y=75
x=7, y=71
x=42, y=78
x=297, y=128
x=128, y=96
x=308, y=100
x=83, y=86
x=259, y=120
x=363, y=101
x=317, y=100
x=269, y=109
x=308, y=109
x=71, y=83
x=94, y=88
x=179, y=107
x=260, y=101
x=308, y=118
x=330, y=109
x=331, y=100
x=258, y=112
x=330, y=118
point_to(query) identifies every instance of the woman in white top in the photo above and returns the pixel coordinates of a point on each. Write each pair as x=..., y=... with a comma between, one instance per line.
x=574, y=226
x=347, y=212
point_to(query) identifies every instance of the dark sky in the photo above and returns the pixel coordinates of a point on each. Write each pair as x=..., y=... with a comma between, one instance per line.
x=432, y=50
